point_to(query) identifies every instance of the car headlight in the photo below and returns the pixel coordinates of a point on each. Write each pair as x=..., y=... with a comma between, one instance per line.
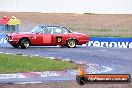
x=10, y=37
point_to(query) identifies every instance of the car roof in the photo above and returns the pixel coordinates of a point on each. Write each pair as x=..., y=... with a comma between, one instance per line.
x=42, y=26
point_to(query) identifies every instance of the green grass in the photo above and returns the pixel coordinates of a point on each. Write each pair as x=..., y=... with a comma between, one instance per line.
x=110, y=35
x=102, y=32
x=14, y=64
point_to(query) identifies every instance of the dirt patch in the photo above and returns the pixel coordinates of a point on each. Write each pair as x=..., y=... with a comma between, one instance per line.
x=92, y=24
x=67, y=84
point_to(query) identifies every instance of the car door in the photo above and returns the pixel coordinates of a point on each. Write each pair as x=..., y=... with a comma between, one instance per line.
x=59, y=36
x=37, y=36
x=47, y=36
x=37, y=39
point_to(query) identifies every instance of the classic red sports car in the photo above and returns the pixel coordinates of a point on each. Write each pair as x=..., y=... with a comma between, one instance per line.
x=47, y=36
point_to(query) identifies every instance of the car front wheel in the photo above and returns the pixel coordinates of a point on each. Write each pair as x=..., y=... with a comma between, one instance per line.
x=71, y=43
x=24, y=43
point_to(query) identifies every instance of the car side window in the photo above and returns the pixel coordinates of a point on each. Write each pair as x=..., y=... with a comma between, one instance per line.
x=47, y=30
x=57, y=30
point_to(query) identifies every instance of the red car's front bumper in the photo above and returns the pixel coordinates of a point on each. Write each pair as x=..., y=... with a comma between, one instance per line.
x=11, y=41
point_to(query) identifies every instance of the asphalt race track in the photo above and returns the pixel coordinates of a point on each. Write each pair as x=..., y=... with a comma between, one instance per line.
x=119, y=59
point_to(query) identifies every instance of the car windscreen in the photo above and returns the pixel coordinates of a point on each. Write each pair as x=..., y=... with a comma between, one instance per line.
x=37, y=29
x=68, y=30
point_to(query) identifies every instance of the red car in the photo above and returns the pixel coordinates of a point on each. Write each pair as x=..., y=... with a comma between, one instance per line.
x=47, y=36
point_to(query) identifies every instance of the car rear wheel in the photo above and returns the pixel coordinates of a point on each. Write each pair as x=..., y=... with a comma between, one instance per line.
x=15, y=46
x=24, y=43
x=71, y=43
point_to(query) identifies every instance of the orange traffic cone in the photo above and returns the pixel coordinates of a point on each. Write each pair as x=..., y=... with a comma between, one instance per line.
x=82, y=71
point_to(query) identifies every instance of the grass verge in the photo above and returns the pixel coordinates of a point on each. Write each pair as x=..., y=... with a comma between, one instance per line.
x=109, y=35
x=14, y=64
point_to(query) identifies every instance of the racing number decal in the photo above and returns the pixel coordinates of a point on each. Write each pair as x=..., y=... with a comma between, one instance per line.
x=58, y=39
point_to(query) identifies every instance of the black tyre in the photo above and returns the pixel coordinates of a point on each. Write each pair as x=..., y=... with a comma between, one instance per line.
x=15, y=46
x=81, y=80
x=24, y=43
x=71, y=43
